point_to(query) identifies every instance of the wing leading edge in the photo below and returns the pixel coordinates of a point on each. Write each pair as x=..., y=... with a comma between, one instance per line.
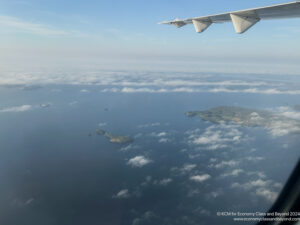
x=242, y=20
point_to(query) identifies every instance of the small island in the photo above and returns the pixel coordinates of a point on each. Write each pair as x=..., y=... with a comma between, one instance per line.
x=114, y=138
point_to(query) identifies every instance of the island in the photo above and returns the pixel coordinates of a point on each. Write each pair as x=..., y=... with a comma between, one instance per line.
x=248, y=118
x=114, y=138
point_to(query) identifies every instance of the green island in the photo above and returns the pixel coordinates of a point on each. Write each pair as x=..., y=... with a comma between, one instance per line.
x=247, y=117
x=114, y=138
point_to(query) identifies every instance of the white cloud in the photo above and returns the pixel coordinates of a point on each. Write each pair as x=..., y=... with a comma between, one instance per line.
x=267, y=194
x=188, y=167
x=22, y=203
x=84, y=91
x=288, y=112
x=149, y=125
x=139, y=161
x=73, y=103
x=161, y=134
x=283, y=127
x=233, y=173
x=122, y=194
x=129, y=147
x=167, y=89
x=272, y=91
x=230, y=163
x=165, y=182
x=164, y=140
x=255, y=159
x=150, y=82
x=162, y=137
x=258, y=174
x=200, y=178
x=147, y=218
x=21, y=108
x=216, y=137
x=260, y=187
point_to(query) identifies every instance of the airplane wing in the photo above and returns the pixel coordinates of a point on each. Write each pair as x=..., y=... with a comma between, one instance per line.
x=242, y=20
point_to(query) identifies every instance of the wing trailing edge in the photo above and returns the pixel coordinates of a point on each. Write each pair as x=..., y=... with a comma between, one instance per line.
x=242, y=20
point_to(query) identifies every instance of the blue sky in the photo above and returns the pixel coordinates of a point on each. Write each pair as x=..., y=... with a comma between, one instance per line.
x=125, y=29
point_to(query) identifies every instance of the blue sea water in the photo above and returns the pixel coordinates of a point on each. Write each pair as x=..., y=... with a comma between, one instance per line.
x=53, y=172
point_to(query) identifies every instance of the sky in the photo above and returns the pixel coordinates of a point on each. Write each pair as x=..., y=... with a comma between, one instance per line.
x=123, y=30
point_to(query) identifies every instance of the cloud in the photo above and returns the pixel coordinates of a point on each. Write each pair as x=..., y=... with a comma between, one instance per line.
x=129, y=147
x=139, y=161
x=84, y=91
x=165, y=182
x=200, y=178
x=149, y=125
x=267, y=194
x=162, y=137
x=258, y=174
x=148, y=181
x=230, y=163
x=150, y=82
x=188, y=167
x=12, y=24
x=184, y=170
x=122, y=194
x=288, y=112
x=261, y=188
x=164, y=140
x=148, y=217
x=216, y=137
x=73, y=103
x=284, y=127
x=272, y=91
x=233, y=173
x=161, y=134
x=22, y=203
x=21, y=108
x=177, y=82
x=255, y=159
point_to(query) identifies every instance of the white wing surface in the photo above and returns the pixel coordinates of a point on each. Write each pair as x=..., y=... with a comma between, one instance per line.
x=244, y=19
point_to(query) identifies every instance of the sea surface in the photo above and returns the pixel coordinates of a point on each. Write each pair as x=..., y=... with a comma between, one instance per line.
x=55, y=169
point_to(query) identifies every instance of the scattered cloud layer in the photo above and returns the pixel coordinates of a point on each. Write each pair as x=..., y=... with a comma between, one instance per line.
x=21, y=108
x=165, y=182
x=139, y=161
x=233, y=173
x=147, y=125
x=229, y=163
x=216, y=137
x=272, y=91
x=200, y=178
x=288, y=112
x=122, y=194
x=84, y=91
x=266, y=189
x=151, y=82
